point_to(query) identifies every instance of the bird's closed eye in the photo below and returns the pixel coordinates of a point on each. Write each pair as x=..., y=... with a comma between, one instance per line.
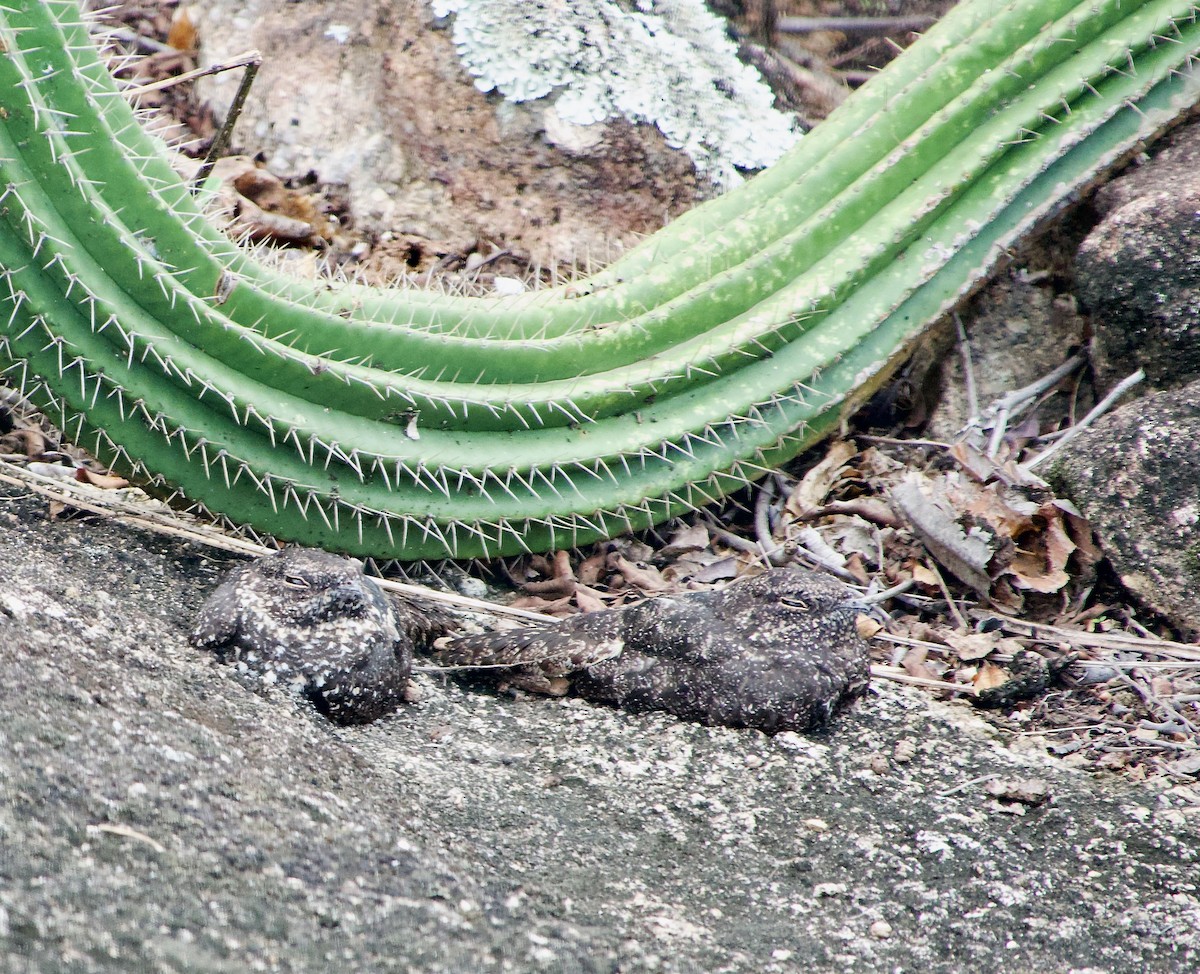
x=795, y=602
x=296, y=581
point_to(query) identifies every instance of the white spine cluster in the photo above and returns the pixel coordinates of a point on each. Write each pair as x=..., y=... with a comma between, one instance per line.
x=667, y=62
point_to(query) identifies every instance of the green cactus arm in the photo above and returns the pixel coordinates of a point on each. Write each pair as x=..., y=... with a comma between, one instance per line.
x=679, y=346
x=111, y=274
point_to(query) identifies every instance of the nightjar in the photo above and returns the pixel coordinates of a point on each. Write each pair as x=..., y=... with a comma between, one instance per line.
x=778, y=651
x=312, y=621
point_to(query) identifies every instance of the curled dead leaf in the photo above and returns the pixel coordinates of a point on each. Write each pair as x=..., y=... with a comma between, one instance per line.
x=989, y=676
x=867, y=626
x=814, y=486
x=976, y=645
x=105, y=481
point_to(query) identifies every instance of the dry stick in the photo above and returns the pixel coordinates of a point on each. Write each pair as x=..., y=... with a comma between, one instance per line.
x=897, y=675
x=965, y=626
x=897, y=441
x=1103, y=406
x=128, y=36
x=889, y=593
x=1090, y=640
x=221, y=141
x=938, y=649
x=854, y=25
x=245, y=59
x=1014, y=402
x=967, y=784
x=1018, y=397
x=762, y=521
x=1154, y=701
x=964, y=347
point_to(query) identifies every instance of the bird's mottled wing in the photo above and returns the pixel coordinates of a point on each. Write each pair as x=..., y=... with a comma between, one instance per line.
x=218, y=624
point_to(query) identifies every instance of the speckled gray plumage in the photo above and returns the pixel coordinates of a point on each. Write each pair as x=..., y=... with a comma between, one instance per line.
x=313, y=622
x=778, y=651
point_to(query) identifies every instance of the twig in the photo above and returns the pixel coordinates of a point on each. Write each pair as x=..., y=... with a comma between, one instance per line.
x=242, y=60
x=128, y=36
x=858, y=507
x=762, y=520
x=221, y=140
x=889, y=593
x=964, y=347
x=1152, y=700
x=1002, y=409
x=999, y=428
x=854, y=25
x=896, y=675
x=954, y=610
x=967, y=784
x=897, y=441
x=928, y=645
x=1107, y=640
x=1017, y=397
x=112, y=828
x=1103, y=406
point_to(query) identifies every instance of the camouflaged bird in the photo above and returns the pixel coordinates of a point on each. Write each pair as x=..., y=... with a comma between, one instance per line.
x=778, y=651
x=314, y=622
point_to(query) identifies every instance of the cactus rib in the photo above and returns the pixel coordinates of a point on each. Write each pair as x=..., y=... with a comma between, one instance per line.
x=411, y=425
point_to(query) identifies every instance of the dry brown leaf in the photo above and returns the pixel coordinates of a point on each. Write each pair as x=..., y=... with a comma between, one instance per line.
x=692, y=538
x=989, y=676
x=1161, y=686
x=923, y=575
x=1044, y=567
x=718, y=571
x=644, y=577
x=557, y=607
x=923, y=503
x=976, y=463
x=1008, y=515
x=183, y=35
x=915, y=664
x=976, y=645
x=814, y=487
x=591, y=570
x=867, y=626
x=588, y=599
x=34, y=442
x=105, y=481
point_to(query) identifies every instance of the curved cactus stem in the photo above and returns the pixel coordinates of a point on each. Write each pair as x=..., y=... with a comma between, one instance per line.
x=717, y=349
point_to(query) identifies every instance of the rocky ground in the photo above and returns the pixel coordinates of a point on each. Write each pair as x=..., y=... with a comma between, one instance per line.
x=159, y=816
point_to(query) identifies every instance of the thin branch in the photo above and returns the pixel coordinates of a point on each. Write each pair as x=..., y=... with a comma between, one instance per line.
x=221, y=141
x=855, y=25
x=964, y=347
x=242, y=60
x=1103, y=406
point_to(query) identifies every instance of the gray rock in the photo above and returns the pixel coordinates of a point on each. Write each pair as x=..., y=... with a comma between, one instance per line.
x=158, y=816
x=1136, y=476
x=1138, y=271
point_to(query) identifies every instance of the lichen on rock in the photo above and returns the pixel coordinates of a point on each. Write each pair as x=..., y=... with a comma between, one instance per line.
x=666, y=62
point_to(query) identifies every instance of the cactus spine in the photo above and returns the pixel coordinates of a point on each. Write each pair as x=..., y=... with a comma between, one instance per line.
x=418, y=425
